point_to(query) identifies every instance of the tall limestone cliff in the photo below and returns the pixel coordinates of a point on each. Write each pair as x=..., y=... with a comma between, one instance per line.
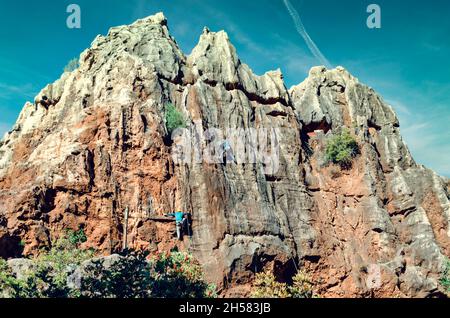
x=94, y=142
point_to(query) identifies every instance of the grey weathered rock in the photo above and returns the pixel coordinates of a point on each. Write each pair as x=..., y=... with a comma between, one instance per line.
x=20, y=267
x=99, y=144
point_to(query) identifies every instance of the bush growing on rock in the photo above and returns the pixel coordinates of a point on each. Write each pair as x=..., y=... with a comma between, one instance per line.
x=165, y=275
x=76, y=237
x=341, y=149
x=10, y=286
x=445, y=277
x=47, y=275
x=265, y=285
x=64, y=256
x=174, y=118
x=179, y=275
x=68, y=271
x=302, y=286
x=126, y=276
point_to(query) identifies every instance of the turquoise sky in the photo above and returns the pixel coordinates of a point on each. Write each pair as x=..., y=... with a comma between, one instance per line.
x=407, y=60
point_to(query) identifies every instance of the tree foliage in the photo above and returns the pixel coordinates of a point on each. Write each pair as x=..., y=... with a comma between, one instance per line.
x=47, y=276
x=341, y=149
x=179, y=275
x=67, y=271
x=127, y=277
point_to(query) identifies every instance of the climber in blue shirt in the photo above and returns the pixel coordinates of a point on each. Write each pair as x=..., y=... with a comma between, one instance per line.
x=181, y=222
x=177, y=215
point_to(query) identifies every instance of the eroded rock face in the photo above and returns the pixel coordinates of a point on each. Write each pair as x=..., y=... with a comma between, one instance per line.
x=94, y=142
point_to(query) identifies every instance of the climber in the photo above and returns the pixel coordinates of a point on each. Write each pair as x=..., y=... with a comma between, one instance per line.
x=227, y=153
x=182, y=222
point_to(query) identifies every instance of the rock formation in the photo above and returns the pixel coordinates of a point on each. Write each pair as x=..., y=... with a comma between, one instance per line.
x=94, y=142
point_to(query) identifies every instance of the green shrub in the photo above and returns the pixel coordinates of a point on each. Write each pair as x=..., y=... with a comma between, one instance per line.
x=47, y=277
x=165, y=275
x=174, y=275
x=445, y=276
x=266, y=286
x=36, y=284
x=174, y=118
x=55, y=264
x=76, y=237
x=9, y=284
x=341, y=149
x=179, y=275
x=72, y=65
x=127, y=277
x=302, y=286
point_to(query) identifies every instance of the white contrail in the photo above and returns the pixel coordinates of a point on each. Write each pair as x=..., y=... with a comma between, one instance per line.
x=302, y=31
